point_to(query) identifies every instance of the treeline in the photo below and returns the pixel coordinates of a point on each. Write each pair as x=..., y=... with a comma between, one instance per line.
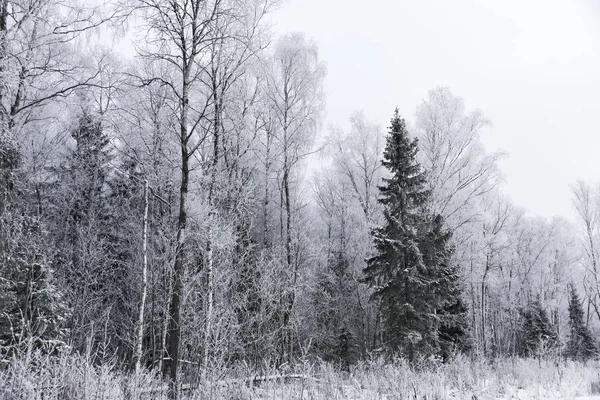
x=157, y=211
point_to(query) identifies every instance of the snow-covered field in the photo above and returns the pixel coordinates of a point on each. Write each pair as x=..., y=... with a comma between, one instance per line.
x=463, y=379
x=75, y=378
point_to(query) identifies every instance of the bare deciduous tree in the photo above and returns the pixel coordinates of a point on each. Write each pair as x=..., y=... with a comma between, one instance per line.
x=357, y=155
x=39, y=63
x=179, y=35
x=293, y=85
x=586, y=199
x=459, y=169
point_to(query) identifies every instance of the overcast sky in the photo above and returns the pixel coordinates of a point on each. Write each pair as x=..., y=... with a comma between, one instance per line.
x=532, y=67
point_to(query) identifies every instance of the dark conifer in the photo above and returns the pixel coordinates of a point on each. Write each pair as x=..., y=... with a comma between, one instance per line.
x=539, y=336
x=581, y=344
x=416, y=288
x=447, y=290
x=83, y=229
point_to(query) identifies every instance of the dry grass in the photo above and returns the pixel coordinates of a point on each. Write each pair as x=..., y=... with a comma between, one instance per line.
x=36, y=376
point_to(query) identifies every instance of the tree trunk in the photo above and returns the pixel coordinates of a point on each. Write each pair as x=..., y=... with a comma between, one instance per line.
x=174, y=328
x=590, y=236
x=6, y=164
x=140, y=323
x=266, y=199
x=483, y=319
x=211, y=213
x=290, y=268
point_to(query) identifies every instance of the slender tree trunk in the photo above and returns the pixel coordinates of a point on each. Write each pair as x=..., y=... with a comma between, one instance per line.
x=5, y=138
x=174, y=329
x=167, y=279
x=140, y=322
x=165, y=329
x=596, y=293
x=290, y=268
x=587, y=315
x=210, y=299
x=483, y=305
x=153, y=315
x=209, y=245
x=281, y=210
x=3, y=31
x=266, y=200
x=288, y=218
x=483, y=319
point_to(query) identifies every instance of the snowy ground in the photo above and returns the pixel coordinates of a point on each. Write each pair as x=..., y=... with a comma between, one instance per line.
x=365, y=394
x=463, y=378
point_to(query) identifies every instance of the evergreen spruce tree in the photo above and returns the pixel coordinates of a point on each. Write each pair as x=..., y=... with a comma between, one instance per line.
x=88, y=168
x=416, y=289
x=445, y=278
x=538, y=334
x=581, y=345
x=79, y=212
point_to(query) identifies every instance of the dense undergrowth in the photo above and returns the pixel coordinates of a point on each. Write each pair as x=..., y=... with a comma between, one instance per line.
x=66, y=377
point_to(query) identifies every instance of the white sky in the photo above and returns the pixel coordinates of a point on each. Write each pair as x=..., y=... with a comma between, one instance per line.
x=532, y=67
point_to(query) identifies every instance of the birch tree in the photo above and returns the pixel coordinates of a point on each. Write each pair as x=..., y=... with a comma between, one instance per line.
x=458, y=167
x=237, y=38
x=356, y=165
x=357, y=156
x=180, y=37
x=205, y=44
x=294, y=81
x=143, y=122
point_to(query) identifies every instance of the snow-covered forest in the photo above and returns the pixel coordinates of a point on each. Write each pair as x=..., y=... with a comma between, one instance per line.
x=181, y=216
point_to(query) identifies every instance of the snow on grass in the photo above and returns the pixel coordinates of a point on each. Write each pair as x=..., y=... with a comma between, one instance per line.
x=71, y=377
x=461, y=379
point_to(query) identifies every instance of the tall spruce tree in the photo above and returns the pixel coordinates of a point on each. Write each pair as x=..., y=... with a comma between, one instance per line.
x=416, y=289
x=79, y=212
x=581, y=345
